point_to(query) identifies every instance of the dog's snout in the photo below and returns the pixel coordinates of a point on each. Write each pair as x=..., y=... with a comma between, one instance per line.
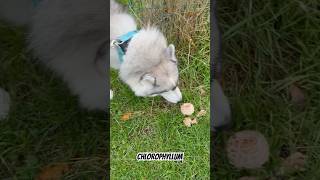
x=173, y=96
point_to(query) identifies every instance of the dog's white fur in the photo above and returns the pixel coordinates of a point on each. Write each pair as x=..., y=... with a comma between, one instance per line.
x=148, y=58
x=66, y=35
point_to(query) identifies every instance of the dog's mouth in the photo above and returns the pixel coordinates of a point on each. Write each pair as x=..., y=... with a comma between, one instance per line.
x=172, y=96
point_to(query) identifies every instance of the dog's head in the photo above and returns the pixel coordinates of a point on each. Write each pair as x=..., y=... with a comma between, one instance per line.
x=162, y=79
x=154, y=77
x=150, y=67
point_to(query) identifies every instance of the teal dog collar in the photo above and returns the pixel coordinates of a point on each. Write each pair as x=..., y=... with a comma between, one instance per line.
x=122, y=42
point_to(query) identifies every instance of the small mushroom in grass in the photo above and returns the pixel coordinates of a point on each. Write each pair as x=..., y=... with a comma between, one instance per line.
x=295, y=162
x=187, y=121
x=201, y=113
x=187, y=109
x=298, y=97
x=248, y=149
x=194, y=121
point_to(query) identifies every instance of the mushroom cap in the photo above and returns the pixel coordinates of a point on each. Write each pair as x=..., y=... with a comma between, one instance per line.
x=201, y=113
x=187, y=109
x=187, y=122
x=248, y=149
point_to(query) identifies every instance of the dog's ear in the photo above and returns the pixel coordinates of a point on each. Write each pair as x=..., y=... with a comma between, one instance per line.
x=148, y=78
x=171, y=53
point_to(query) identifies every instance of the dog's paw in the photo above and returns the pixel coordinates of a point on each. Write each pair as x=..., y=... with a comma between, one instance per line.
x=111, y=94
x=94, y=98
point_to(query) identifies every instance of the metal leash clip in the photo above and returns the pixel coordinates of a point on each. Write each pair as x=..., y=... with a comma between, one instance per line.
x=115, y=43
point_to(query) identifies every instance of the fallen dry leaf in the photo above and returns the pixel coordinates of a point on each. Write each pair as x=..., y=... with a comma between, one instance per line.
x=53, y=171
x=194, y=121
x=295, y=162
x=126, y=116
x=201, y=113
x=187, y=109
x=202, y=92
x=297, y=96
x=187, y=121
x=247, y=149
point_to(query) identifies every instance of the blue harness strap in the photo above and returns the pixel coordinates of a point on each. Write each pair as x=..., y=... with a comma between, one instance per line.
x=120, y=54
x=127, y=36
x=121, y=43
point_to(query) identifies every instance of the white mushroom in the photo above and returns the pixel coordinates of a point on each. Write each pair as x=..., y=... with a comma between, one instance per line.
x=187, y=109
x=248, y=149
x=187, y=122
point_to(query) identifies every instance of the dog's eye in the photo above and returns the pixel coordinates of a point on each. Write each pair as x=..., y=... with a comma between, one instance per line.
x=155, y=85
x=174, y=61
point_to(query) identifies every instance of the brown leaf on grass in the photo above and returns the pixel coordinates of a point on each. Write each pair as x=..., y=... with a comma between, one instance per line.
x=202, y=91
x=297, y=96
x=53, y=171
x=126, y=116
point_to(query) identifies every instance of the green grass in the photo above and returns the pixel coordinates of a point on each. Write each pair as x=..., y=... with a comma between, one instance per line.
x=45, y=124
x=157, y=126
x=267, y=46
